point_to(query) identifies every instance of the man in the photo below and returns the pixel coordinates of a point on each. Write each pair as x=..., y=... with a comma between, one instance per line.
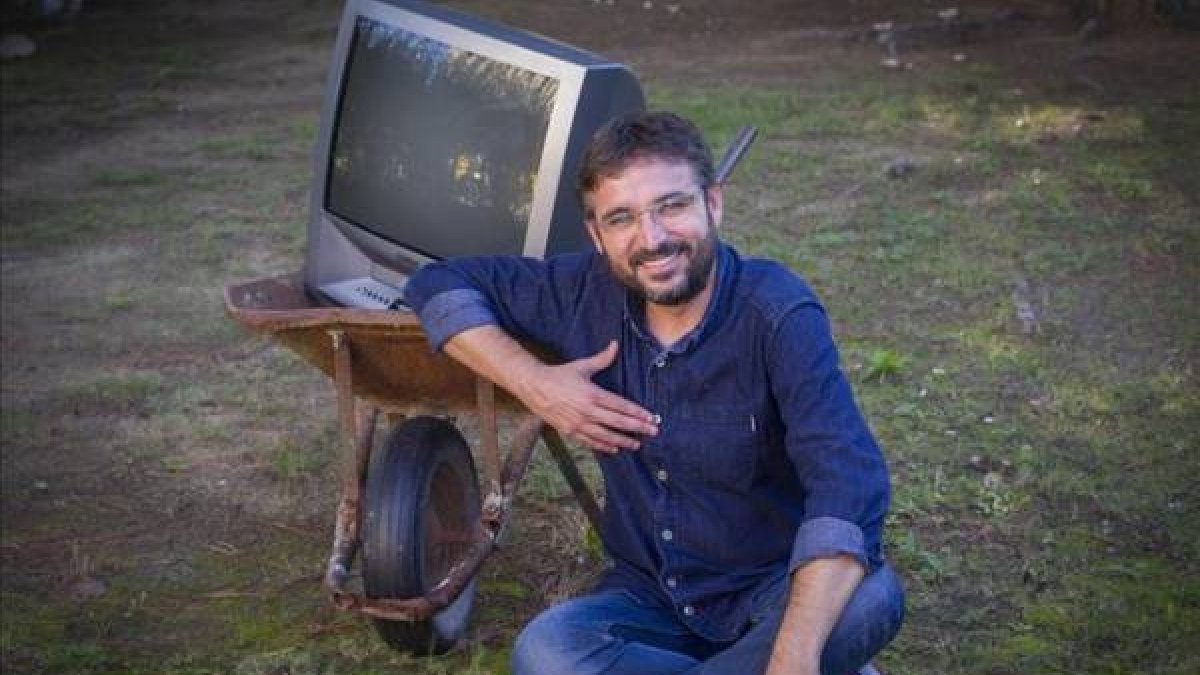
x=745, y=495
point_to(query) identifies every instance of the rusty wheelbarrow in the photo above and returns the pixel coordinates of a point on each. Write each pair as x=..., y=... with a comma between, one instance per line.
x=414, y=507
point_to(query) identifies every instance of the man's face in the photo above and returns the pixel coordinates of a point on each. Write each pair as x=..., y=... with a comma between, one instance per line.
x=657, y=228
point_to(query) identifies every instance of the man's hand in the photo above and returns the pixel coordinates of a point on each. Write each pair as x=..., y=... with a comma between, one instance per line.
x=567, y=399
x=563, y=395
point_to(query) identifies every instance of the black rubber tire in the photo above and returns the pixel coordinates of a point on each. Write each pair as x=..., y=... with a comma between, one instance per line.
x=421, y=505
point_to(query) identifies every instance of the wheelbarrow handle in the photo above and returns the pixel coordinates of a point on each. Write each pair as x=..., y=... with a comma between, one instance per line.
x=733, y=154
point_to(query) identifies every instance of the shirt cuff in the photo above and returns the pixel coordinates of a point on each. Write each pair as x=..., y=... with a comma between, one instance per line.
x=826, y=537
x=451, y=312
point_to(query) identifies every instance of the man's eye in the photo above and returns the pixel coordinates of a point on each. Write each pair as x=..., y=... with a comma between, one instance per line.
x=674, y=207
x=618, y=222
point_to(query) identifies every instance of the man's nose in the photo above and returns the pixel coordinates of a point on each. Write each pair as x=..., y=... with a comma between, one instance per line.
x=651, y=229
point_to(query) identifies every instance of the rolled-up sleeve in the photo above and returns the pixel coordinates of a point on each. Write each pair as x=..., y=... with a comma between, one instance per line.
x=531, y=299
x=837, y=461
x=451, y=312
x=827, y=537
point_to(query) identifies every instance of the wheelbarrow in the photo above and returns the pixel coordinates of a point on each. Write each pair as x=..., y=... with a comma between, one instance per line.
x=414, y=509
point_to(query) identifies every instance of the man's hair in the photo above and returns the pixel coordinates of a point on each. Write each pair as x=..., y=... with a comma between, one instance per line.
x=638, y=135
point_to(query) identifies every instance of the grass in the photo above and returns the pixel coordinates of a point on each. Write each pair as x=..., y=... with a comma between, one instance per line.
x=1043, y=513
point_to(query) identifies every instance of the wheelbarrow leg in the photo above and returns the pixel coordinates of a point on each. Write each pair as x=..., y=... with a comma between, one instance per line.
x=489, y=435
x=514, y=469
x=358, y=425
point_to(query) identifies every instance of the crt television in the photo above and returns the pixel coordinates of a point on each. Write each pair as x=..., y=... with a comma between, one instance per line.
x=442, y=135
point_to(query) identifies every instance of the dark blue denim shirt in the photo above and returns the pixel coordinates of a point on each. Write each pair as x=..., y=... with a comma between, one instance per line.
x=762, y=461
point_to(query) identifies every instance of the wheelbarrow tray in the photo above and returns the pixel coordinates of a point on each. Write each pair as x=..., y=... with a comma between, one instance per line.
x=394, y=368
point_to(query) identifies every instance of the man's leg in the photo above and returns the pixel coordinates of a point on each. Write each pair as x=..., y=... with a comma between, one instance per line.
x=870, y=620
x=609, y=632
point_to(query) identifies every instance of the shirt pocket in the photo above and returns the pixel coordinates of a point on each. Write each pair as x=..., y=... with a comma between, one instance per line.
x=721, y=445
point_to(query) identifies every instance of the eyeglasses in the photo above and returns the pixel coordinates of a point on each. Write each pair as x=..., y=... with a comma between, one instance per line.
x=668, y=210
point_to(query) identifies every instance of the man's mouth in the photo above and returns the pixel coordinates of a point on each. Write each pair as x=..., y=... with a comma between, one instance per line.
x=659, y=264
x=659, y=259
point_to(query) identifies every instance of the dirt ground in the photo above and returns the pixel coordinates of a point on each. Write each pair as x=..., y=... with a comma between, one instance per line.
x=82, y=513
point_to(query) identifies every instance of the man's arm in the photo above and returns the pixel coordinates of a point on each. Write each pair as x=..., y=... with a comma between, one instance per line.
x=563, y=395
x=845, y=486
x=471, y=307
x=820, y=590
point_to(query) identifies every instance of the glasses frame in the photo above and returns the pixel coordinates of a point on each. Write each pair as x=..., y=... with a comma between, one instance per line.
x=669, y=209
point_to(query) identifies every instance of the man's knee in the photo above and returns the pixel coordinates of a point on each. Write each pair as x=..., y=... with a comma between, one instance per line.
x=869, y=622
x=553, y=642
x=534, y=651
x=884, y=596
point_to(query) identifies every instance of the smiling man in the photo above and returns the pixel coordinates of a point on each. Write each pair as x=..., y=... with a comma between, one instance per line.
x=745, y=494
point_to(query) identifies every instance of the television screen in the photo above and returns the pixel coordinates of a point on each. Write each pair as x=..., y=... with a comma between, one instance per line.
x=434, y=147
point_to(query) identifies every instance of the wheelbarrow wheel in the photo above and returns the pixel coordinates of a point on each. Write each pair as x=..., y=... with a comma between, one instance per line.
x=422, y=503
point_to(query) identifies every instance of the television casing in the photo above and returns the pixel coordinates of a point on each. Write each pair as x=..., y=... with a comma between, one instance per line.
x=590, y=91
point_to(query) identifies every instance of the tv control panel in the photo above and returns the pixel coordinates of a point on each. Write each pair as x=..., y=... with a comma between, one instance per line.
x=365, y=293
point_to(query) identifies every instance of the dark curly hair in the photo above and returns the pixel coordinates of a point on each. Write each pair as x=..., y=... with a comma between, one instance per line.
x=643, y=134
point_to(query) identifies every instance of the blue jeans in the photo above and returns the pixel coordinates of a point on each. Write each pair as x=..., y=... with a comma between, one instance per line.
x=616, y=633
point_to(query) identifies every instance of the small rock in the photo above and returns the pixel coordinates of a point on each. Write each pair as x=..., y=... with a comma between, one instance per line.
x=16, y=46
x=647, y=5
x=86, y=588
x=60, y=10
x=948, y=14
x=959, y=58
x=890, y=62
x=902, y=167
x=1027, y=317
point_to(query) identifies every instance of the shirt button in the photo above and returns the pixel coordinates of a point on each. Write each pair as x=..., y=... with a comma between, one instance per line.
x=661, y=474
x=672, y=582
x=668, y=535
x=688, y=610
x=660, y=362
x=657, y=418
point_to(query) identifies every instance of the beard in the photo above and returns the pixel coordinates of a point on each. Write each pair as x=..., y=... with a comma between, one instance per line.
x=701, y=257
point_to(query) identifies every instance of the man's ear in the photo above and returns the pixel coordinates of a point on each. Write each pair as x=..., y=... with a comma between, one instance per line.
x=590, y=223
